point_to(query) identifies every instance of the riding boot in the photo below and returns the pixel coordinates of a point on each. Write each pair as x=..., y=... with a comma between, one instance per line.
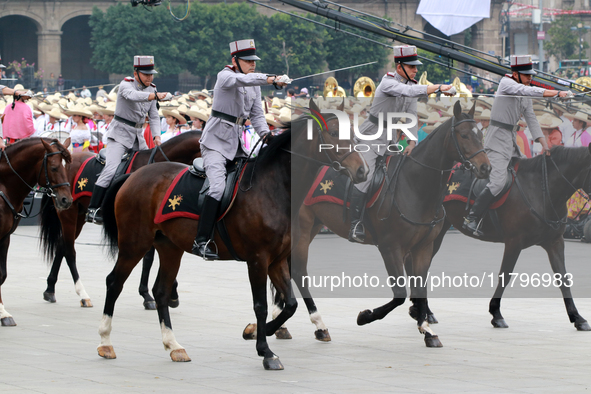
x=357, y=232
x=94, y=214
x=472, y=221
x=207, y=220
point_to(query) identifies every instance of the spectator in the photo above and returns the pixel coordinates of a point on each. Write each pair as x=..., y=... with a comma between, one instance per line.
x=290, y=93
x=85, y=92
x=18, y=118
x=580, y=136
x=60, y=83
x=101, y=93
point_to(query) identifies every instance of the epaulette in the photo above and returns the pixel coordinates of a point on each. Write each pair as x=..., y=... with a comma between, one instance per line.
x=390, y=75
x=152, y=85
x=129, y=79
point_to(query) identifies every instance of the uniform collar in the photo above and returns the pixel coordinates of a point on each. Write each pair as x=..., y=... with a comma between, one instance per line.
x=233, y=68
x=400, y=78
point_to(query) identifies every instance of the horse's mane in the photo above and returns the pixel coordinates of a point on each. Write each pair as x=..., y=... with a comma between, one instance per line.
x=559, y=154
x=275, y=145
x=181, y=137
x=26, y=142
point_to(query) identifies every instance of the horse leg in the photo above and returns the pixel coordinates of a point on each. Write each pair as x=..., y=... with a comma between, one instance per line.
x=170, y=261
x=257, y=274
x=149, y=303
x=393, y=260
x=174, y=296
x=555, y=250
x=6, y=319
x=510, y=256
x=49, y=293
x=278, y=305
x=69, y=237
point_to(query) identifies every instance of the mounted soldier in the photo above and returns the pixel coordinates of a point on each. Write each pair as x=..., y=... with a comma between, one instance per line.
x=398, y=92
x=237, y=96
x=136, y=98
x=500, y=141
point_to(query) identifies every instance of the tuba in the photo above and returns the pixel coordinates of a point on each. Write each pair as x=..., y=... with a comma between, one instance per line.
x=423, y=81
x=585, y=81
x=364, y=87
x=332, y=88
x=461, y=88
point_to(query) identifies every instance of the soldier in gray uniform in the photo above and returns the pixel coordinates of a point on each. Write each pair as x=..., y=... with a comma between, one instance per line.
x=136, y=98
x=500, y=142
x=237, y=97
x=398, y=92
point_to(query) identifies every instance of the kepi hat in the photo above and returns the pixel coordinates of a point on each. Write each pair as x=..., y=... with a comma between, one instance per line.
x=144, y=64
x=407, y=54
x=244, y=49
x=522, y=64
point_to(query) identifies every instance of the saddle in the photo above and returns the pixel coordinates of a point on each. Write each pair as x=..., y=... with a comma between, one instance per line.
x=185, y=196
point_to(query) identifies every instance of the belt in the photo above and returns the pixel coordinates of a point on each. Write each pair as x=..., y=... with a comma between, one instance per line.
x=230, y=118
x=129, y=122
x=505, y=126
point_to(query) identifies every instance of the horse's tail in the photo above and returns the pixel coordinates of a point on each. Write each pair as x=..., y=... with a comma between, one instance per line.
x=51, y=229
x=110, y=233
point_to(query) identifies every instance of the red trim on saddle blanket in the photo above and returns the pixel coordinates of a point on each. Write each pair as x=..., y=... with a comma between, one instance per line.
x=128, y=171
x=495, y=205
x=85, y=193
x=180, y=214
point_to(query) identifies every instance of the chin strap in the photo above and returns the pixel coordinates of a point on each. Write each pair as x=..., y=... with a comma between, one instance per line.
x=139, y=76
x=408, y=79
x=238, y=65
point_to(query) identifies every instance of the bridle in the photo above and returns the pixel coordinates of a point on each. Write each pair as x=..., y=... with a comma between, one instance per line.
x=466, y=163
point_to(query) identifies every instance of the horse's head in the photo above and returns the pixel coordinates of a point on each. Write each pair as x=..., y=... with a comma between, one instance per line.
x=53, y=174
x=467, y=142
x=327, y=147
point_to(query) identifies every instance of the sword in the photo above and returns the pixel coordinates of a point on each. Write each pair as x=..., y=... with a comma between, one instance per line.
x=332, y=71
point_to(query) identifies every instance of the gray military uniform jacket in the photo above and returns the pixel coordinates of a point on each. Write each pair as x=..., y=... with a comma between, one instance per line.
x=394, y=94
x=509, y=110
x=133, y=105
x=238, y=95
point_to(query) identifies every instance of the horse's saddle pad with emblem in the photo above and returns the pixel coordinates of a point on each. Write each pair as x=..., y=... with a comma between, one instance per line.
x=331, y=186
x=90, y=170
x=185, y=196
x=461, y=182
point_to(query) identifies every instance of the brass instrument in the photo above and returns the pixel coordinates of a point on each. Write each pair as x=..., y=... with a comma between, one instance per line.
x=462, y=90
x=585, y=81
x=332, y=88
x=423, y=81
x=364, y=87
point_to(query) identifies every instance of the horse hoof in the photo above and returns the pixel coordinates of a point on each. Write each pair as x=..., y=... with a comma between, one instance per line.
x=106, y=352
x=364, y=317
x=282, y=333
x=322, y=335
x=433, y=341
x=180, y=355
x=272, y=364
x=431, y=319
x=250, y=331
x=583, y=326
x=174, y=303
x=499, y=323
x=150, y=305
x=49, y=297
x=86, y=303
x=7, y=322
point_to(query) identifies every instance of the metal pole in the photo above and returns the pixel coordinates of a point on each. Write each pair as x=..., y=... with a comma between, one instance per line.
x=541, y=42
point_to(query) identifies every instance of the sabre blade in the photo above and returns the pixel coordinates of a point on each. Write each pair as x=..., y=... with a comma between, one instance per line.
x=332, y=71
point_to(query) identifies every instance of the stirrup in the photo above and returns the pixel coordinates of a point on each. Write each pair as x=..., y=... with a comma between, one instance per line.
x=357, y=237
x=91, y=216
x=196, y=250
x=473, y=226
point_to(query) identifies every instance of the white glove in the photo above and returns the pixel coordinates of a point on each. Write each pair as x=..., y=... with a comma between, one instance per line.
x=168, y=97
x=450, y=92
x=569, y=94
x=284, y=78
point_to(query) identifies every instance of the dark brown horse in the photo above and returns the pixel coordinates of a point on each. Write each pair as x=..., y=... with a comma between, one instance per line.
x=30, y=162
x=60, y=229
x=415, y=194
x=531, y=216
x=259, y=226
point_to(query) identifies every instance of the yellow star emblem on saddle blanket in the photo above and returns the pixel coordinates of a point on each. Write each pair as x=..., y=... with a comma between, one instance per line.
x=326, y=186
x=453, y=187
x=82, y=183
x=174, y=202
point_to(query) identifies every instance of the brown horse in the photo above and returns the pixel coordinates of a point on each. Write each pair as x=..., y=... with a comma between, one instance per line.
x=30, y=162
x=259, y=226
x=59, y=229
x=414, y=195
x=532, y=216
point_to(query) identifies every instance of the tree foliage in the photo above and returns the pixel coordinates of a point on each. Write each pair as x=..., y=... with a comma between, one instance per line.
x=564, y=42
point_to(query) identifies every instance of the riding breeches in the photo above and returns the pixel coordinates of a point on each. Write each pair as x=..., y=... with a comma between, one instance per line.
x=115, y=152
x=370, y=157
x=215, y=169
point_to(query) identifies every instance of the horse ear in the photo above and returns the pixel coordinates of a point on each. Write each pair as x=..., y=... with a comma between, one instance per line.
x=46, y=145
x=458, y=110
x=471, y=113
x=313, y=106
x=342, y=106
x=67, y=143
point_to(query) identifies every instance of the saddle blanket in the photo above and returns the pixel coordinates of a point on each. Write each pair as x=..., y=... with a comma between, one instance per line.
x=460, y=182
x=88, y=174
x=184, y=200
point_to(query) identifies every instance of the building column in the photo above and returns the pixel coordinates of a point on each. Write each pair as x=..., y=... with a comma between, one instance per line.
x=50, y=52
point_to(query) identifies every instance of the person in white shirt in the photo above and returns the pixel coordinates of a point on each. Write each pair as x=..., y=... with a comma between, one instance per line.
x=85, y=92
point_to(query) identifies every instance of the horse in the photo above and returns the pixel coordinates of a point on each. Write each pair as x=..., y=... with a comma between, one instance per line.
x=59, y=230
x=258, y=224
x=29, y=162
x=532, y=215
x=419, y=182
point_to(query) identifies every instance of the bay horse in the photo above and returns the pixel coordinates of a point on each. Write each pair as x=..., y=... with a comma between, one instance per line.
x=415, y=217
x=60, y=229
x=29, y=162
x=259, y=225
x=534, y=213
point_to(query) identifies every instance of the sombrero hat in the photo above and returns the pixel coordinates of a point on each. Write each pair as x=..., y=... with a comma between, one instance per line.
x=548, y=121
x=175, y=114
x=285, y=115
x=484, y=115
x=196, y=112
x=109, y=110
x=79, y=110
x=430, y=128
x=56, y=114
x=271, y=120
x=578, y=116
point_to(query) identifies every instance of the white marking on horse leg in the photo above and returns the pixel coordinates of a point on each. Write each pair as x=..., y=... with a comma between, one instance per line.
x=168, y=338
x=80, y=290
x=3, y=312
x=317, y=320
x=105, y=330
x=423, y=328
